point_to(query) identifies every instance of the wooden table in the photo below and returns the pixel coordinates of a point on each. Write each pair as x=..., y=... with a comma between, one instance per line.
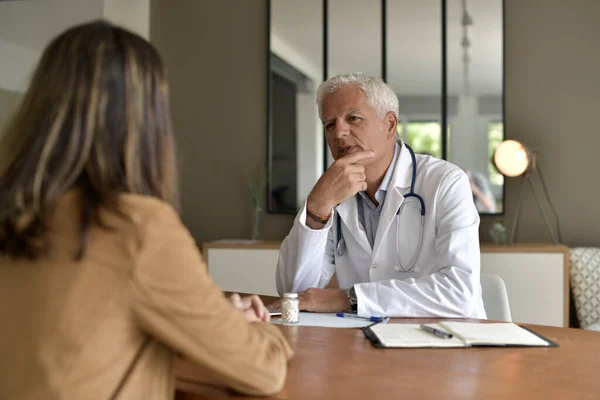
x=336, y=363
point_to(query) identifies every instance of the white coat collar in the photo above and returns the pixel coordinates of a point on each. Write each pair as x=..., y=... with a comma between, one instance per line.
x=403, y=171
x=401, y=181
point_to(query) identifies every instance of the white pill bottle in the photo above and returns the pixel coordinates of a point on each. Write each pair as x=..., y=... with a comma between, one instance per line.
x=290, y=312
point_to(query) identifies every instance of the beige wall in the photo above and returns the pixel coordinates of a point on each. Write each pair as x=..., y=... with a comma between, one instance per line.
x=8, y=103
x=552, y=104
x=216, y=52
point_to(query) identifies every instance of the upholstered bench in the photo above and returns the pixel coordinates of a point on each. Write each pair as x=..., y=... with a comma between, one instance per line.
x=585, y=282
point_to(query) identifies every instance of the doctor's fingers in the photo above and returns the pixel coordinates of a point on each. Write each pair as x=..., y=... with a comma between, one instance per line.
x=357, y=157
x=352, y=169
x=358, y=182
x=305, y=301
x=276, y=304
x=360, y=177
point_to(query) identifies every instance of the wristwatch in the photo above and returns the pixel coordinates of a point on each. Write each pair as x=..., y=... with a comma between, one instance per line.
x=352, y=298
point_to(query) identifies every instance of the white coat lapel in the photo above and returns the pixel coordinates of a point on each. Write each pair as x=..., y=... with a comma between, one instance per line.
x=348, y=212
x=394, y=198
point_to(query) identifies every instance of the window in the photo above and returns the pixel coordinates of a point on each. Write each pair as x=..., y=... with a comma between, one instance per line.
x=424, y=137
x=495, y=136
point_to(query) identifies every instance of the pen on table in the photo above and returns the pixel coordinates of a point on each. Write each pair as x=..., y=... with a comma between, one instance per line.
x=437, y=332
x=372, y=319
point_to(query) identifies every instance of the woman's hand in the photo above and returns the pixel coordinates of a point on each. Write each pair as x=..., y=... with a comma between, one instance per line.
x=251, y=307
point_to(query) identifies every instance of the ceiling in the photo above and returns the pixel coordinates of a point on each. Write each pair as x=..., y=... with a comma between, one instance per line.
x=413, y=41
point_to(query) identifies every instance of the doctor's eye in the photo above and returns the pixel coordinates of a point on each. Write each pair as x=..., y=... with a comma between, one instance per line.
x=329, y=125
x=354, y=118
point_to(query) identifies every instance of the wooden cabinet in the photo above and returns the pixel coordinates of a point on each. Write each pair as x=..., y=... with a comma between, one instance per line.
x=536, y=276
x=243, y=266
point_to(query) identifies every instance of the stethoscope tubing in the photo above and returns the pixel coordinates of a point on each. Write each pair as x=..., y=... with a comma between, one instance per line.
x=340, y=246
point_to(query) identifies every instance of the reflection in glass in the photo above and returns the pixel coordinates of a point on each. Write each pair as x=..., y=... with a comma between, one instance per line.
x=296, y=71
x=495, y=137
x=413, y=65
x=354, y=39
x=414, y=71
x=475, y=71
x=425, y=137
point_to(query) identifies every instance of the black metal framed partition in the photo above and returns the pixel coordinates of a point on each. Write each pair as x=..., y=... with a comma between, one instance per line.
x=443, y=58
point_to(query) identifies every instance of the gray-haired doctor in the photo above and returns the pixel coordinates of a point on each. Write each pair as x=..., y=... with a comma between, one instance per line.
x=399, y=230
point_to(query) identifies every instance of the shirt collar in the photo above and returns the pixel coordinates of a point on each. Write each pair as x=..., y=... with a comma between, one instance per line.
x=385, y=183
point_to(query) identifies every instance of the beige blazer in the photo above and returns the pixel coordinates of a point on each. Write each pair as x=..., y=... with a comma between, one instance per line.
x=109, y=325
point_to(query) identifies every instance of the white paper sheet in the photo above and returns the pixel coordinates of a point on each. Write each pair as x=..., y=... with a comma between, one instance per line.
x=329, y=320
x=411, y=335
x=505, y=333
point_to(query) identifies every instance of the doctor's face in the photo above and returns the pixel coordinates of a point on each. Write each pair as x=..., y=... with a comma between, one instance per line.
x=351, y=124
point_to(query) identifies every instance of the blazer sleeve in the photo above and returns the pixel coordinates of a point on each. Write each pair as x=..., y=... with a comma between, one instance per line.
x=175, y=301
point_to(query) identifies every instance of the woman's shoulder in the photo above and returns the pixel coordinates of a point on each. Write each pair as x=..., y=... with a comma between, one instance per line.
x=153, y=220
x=147, y=209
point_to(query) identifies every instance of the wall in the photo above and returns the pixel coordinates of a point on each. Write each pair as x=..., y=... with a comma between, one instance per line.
x=8, y=103
x=552, y=87
x=26, y=27
x=132, y=14
x=216, y=53
x=219, y=99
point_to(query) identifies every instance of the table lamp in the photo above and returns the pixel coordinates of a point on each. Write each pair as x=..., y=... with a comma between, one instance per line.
x=513, y=159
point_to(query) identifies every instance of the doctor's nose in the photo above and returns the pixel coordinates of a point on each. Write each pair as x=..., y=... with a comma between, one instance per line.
x=341, y=130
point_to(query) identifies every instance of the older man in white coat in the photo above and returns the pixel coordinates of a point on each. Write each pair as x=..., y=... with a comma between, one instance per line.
x=399, y=230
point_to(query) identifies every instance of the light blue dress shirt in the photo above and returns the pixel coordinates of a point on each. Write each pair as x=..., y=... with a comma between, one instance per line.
x=368, y=212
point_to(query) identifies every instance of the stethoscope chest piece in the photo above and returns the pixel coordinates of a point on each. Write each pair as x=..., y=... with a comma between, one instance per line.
x=341, y=247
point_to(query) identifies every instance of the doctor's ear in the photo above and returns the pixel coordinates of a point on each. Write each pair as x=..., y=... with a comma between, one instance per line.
x=391, y=124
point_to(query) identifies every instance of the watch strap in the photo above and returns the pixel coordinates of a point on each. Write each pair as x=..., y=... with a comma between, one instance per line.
x=352, y=298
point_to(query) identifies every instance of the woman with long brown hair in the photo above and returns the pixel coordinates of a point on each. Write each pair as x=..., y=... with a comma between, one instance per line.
x=100, y=282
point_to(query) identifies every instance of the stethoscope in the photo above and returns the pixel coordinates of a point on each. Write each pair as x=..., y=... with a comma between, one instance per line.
x=340, y=246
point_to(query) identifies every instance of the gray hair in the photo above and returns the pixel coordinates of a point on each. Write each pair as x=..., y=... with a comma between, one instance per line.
x=379, y=95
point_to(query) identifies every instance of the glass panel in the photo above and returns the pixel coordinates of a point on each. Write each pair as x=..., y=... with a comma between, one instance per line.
x=354, y=38
x=354, y=35
x=414, y=71
x=495, y=137
x=296, y=139
x=425, y=137
x=475, y=87
x=26, y=27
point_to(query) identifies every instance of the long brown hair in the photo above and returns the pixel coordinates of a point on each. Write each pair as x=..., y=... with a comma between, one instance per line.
x=95, y=117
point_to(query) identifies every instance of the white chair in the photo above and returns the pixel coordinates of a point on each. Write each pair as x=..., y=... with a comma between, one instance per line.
x=495, y=298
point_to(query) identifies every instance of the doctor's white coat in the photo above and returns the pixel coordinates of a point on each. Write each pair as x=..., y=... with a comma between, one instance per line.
x=445, y=280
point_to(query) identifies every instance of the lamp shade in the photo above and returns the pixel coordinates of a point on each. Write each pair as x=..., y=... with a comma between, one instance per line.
x=511, y=158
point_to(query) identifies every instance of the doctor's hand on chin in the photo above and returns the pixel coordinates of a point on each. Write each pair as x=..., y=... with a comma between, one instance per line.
x=321, y=300
x=342, y=180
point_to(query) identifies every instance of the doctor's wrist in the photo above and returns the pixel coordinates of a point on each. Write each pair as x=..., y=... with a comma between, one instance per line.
x=322, y=219
x=317, y=207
